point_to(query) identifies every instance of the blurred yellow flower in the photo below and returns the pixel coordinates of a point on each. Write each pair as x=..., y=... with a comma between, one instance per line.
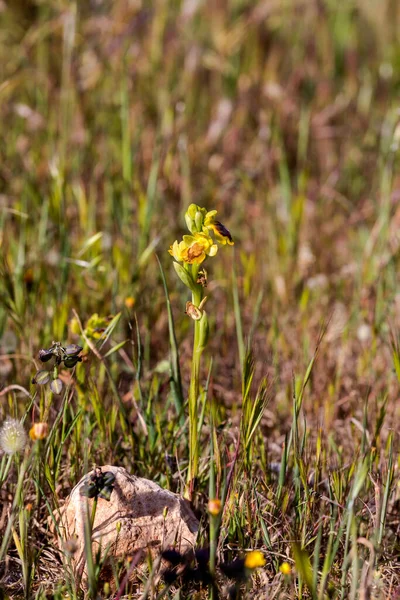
x=254, y=559
x=129, y=302
x=74, y=326
x=39, y=431
x=214, y=507
x=285, y=568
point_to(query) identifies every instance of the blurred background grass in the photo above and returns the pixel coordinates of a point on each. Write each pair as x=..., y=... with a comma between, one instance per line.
x=284, y=116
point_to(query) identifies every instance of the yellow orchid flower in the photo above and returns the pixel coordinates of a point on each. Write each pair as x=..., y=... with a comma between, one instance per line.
x=177, y=249
x=199, y=220
x=222, y=234
x=193, y=249
x=198, y=247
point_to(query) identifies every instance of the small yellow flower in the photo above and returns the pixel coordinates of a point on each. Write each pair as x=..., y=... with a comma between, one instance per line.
x=96, y=326
x=39, y=431
x=198, y=247
x=254, y=560
x=222, y=234
x=214, y=507
x=193, y=249
x=176, y=250
x=285, y=568
x=129, y=302
x=74, y=326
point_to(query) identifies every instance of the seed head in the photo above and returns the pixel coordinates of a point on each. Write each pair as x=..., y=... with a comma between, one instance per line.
x=13, y=438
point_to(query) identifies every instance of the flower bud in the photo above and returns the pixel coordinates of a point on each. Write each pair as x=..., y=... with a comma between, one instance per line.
x=214, y=507
x=71, y=361
x=198, y=220
x=190, y=217
x=189, y=223
x=45, y=355
x=73, y=349
x=39, y=431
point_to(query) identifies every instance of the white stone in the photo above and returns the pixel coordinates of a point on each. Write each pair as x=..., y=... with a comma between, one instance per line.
x=139, y=516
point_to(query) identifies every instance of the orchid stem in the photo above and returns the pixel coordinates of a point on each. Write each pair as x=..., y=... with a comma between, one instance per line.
x=194, y=392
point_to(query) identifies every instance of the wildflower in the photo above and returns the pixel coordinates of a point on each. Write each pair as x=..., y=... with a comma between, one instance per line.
x=194, y=218
x=193, y=249
x=96, y=326
x=199, y=246
x=222, y=234
x=13, y=438
x=39, y=431
x=199, y=220
x=177, y=249
x=254, y=560
x=129, y=302
x=214, y=507
x=285, y=568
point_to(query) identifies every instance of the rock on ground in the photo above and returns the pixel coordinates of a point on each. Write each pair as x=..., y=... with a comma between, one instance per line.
x=140, y=515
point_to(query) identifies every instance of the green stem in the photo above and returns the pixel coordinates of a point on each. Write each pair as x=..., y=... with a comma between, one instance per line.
x=194, y=391
x=214, y=519
x=93, y=515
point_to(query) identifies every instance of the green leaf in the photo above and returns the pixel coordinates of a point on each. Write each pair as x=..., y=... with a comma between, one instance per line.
x=304, y=568
x=185, y=277
x=115, y=348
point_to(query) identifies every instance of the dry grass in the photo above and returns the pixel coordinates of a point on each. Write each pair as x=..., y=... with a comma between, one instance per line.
x=283, y=116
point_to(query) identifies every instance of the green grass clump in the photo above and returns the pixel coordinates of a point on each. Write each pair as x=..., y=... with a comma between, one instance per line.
x=115, y=117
